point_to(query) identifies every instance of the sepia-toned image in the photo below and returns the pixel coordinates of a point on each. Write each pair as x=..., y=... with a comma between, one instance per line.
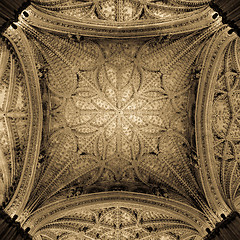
x=120, y=120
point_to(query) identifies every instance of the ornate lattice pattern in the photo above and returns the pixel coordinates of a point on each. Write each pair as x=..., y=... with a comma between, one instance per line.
x=116, y=223
x=120, y=116
x=120, y=10
x=14, y=124
x=226, y=120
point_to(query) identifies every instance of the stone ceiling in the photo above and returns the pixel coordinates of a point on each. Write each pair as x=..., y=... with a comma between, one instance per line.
x=117, y=108
x=119, y=119
x=14, y=118
x=116, y=223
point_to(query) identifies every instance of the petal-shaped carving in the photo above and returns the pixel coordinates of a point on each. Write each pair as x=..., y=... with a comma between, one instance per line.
x=125, y=10
x=78, y=113
x=126, y=14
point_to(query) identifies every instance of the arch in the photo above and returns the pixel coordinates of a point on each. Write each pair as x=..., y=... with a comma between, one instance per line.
x=185, y=22
x=24, y=53
x=182, y=211
x=211, y=183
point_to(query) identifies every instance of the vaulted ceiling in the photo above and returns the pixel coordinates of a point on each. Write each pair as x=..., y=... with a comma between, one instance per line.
x=119, y=119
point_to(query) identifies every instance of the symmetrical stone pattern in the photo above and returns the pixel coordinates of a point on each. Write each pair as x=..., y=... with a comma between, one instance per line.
x=14, y=121
x=216, y=117
x=118, y=115
x=119, y=18
x=119, y=119
x=225, y=120
x=121, y=10
x=115, y=223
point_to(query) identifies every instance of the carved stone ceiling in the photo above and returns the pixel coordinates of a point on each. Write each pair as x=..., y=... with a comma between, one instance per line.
x=115, y=223
x=120, y=11
x=101, y=104
x=14, y=119
x=119, y=115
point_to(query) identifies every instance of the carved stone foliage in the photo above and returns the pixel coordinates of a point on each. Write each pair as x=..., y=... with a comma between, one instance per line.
x=14, y=120
x=226, y=120
x=116, y=223
x=116, y=116
x=217, y=129
x=119, y=18
x=31, y=113
x=121, y=10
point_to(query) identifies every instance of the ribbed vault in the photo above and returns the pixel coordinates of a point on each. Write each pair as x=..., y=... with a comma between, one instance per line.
x=118, y=215
x=119, y=119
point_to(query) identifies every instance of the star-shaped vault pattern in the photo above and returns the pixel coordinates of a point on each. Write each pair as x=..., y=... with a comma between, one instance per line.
x=119, y=120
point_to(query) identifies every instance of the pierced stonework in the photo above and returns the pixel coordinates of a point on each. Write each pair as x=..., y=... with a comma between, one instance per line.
x=116, y=223
x=14, y=120
x=101, y=108
x=225, y=119
x=119, y=10
x=118, y=117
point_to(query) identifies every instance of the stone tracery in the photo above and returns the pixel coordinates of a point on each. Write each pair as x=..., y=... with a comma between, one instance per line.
x=130, y=115
x=14, y=119
x=49, y=17
x=115, y=223
x=222, y=120
x=85, y=217
x=118, y=116
x=120, y=10
x=225, y=121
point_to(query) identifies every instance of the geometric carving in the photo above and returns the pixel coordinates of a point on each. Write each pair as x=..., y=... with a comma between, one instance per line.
x=14, y=123
x=226, y=116
x=119, y=18
x=118, y=115
x=119, y=11
x=23, y=114
x=121, y=103
x=218, y=128
x=116, y=223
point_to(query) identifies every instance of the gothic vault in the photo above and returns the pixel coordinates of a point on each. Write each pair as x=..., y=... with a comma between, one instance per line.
x=119, y=119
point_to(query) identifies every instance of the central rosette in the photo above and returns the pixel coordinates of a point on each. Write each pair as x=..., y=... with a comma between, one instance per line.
x=114, y=110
